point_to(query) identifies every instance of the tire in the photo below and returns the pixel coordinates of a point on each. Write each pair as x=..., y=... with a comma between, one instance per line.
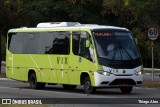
x=69, y=87
x=88, y=88
x=33, y=82
x=126, y=89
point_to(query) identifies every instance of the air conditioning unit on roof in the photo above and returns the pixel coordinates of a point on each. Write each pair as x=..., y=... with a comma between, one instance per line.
x=57, y=24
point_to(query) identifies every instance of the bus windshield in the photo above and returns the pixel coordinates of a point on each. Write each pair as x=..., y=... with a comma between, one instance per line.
x=116, y=46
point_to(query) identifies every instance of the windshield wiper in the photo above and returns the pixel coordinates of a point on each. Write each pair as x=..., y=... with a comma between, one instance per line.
x=120, y=48
x=128, y=53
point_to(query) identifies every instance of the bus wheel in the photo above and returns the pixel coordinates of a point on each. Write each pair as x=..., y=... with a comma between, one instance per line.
x=69, y=87
x=126, y=89
x=88, y=87
x=33, y=82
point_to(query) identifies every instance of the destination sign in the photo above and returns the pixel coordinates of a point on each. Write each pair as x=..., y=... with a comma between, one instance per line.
x=103, y=34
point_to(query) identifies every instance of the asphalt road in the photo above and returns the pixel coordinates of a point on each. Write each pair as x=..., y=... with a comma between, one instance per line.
x=15, y=89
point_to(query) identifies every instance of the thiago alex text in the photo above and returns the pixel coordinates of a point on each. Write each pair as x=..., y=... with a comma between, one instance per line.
x=151, y=101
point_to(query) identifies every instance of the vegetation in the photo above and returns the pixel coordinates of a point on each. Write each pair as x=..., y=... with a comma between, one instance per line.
x=136, y=15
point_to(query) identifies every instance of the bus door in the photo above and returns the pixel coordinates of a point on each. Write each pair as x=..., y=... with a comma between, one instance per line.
x=81, y=59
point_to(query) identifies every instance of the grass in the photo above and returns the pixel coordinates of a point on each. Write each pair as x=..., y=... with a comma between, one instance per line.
x=151, y=84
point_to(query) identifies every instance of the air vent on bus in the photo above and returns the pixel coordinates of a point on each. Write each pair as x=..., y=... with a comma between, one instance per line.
x=58, y=24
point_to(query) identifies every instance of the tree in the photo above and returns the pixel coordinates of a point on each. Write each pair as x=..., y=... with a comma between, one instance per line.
x=136, y=15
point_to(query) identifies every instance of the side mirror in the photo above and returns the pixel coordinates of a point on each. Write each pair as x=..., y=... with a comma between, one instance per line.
x=87, y=44
x=136, y=40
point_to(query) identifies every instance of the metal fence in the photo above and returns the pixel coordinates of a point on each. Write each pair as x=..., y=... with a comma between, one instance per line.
x=149, y=70
x=151, y=76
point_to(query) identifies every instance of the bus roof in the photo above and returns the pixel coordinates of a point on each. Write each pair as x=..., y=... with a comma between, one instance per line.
x=66, y=26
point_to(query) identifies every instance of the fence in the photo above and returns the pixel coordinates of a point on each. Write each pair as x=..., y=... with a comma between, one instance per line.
x=149, y=70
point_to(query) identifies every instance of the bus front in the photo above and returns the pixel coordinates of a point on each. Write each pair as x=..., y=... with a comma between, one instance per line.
x=119, y=59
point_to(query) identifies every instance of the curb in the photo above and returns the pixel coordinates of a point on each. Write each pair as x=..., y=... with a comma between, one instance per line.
x=3, y=63
x=6, y=79
x=147, y=88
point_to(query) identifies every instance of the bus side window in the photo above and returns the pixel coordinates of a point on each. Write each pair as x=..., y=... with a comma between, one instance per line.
x=15, y=42
x=76, y=42
x=79, y=44
x=55, y=42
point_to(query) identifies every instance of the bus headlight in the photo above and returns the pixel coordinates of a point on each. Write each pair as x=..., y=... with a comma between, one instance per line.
x=138, y=73
x=104, y=73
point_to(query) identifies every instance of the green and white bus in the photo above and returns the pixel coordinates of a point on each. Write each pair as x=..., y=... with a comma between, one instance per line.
x=71, y=54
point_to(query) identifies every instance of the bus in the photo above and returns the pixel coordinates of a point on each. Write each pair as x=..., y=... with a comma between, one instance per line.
x=73, y=54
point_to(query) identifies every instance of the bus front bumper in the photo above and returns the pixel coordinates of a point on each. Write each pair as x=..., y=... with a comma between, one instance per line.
x=113, y=80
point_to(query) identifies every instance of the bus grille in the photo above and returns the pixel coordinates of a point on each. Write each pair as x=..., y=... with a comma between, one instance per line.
x=123, y=81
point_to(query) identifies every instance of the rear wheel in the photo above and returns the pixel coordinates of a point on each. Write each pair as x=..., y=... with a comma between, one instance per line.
x=88, y=88
x=126, y=89
x=69, y=87
x=33, y=82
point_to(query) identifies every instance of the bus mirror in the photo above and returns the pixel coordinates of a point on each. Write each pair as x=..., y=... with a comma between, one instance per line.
x=136, y=40
x=87, y=44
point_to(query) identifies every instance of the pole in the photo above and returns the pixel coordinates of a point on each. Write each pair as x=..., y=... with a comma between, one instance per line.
x=152, y=61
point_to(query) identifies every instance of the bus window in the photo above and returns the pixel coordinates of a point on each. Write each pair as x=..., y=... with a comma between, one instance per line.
x=30, y=43
x=39, y=43
x=60, y=43
x=15, y=42
x=79, y=44
x=53, y=43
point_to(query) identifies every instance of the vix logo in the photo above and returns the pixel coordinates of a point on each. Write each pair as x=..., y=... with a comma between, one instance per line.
x=62, y=60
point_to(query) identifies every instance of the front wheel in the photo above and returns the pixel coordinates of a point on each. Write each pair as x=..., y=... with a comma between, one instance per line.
x=126, y=89
x=88, y=88
x=33, y=82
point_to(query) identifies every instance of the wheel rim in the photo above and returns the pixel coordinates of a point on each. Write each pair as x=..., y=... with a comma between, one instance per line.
x=87, y=85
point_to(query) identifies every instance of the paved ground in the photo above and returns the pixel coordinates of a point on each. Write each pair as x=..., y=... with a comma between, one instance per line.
x=22, y=90
x=15, y=89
